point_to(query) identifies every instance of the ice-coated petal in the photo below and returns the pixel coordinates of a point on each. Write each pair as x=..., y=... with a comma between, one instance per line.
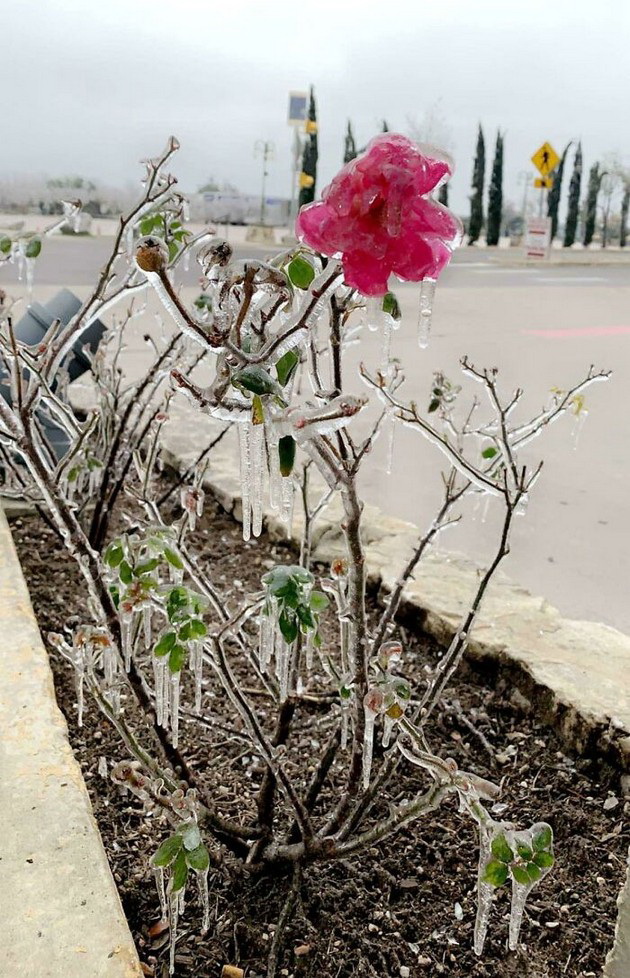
x=365, y=272
x=317, y=226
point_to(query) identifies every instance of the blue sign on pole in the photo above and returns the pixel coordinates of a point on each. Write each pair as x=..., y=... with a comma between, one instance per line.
x=297, y=108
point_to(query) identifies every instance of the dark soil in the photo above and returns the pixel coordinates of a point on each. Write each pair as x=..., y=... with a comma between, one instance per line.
x=395, y=907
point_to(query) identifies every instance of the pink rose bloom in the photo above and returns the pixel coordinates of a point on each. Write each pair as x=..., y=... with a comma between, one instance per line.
x=378, y=217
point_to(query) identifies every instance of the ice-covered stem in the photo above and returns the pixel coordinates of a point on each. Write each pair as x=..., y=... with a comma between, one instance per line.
x=452, y=494
x=310, y=515
x=158, y=190
x=268, y=752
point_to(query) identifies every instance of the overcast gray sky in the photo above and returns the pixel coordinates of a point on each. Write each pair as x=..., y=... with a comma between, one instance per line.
x=91, y=87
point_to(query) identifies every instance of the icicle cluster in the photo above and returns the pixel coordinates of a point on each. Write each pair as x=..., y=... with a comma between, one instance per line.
x=95, y=660
x=388, y=696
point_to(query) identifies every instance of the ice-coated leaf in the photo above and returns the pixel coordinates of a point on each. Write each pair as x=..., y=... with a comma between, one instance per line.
x=495, y=873
x=286, y=366
x=33, y=248
x=544, y=859
x=146, y=566
x=198, y=859
x=165, y=644
x=521, y=875
x=300, y=271
x=177, y=658
x=180, y=872
x=489, y=452
x=391, y=306
x=168, y=851
x=525, y=852
x=533, y=871
x=288, y=626
x=255, y=379
x=286, y=454
x=501, y=850
x=190, y=834
x=124, y=572
x=5, y=244
x=319, y=601
x=173, y=558
x=258, y=411
x=114, y=555
x=543, y=837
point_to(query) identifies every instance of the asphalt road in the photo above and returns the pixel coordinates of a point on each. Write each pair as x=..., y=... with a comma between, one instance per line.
x=542, y=327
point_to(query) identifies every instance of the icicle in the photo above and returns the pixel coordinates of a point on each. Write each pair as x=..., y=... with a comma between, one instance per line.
x=374, y=313
x=388, y=726
x=173, y=921
x=196, y=649
x=30, y=278
x=125, y=638
x=484, y=891
x=204, y=899
x=244, y=444
x=368, y=745
x=79, y=677
x=390, y=445
x=147, y=612
x=286, y=512
x=520, y=892
x=129, y=241
x=257, y=451
x=175, y=681
x=577, y=427
x=389, y=325
x=427, y=292
x=310, y=646
x=158, y=872
x=283, y=655
x=158, y=679
x=166, y=693
x=345, y=718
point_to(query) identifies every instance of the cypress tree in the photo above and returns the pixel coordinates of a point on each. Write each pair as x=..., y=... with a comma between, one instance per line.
x=385, y=126
x=308, y=175
x=594, y=183
x=495, y=195
x=350, y=147
x=625, y=204
x=476, y=200
x=573, y=211
x=553, y=197
x=443, y=194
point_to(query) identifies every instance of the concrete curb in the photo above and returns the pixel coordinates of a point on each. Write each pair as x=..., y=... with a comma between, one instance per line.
x=62, y=914
x=578, y=672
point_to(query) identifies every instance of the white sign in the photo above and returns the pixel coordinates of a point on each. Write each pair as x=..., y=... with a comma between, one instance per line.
x=538, y=237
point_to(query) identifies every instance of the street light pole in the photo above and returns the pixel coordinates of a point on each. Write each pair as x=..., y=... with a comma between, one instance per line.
x=264, y=148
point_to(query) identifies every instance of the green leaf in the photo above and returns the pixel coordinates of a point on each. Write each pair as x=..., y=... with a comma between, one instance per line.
x=146, y=566
x=305, y=615
x=180, y=872
x=173, y=558
x=168, y=851
x=319, y=601
x=5, y=244
x=115, y=593
x=288, y=627
x=258, y=411
x=533, y=871
x=190, y=834
x=495, y=873
x=543, y=838
x=391, y=306
x=198, y=859
x=521, y=875
x=301, y=273
x=198, y=628
x=255, y=379
x=177, y=658
x=524, y=852
x=203, y=302
x=501, y=849
x=489, y=452
x=544, y=859
x=33, y=248
x=286, y=454
x=165, y=644
x=124, y=572
x=114, y=555
x=172, y=250
x=286, y=366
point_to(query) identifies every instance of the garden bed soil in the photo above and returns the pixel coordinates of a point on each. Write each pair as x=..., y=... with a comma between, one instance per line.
x=406, y=907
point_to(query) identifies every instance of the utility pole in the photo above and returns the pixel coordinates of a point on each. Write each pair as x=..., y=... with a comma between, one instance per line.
x=266, y=149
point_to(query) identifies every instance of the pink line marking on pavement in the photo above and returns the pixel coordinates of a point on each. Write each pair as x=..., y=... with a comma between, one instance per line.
x=561, y=334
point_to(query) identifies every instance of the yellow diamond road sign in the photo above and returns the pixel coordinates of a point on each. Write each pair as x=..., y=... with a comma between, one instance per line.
x=545, y=159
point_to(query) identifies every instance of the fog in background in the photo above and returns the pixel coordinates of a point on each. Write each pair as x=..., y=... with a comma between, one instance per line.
x=90, y=88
